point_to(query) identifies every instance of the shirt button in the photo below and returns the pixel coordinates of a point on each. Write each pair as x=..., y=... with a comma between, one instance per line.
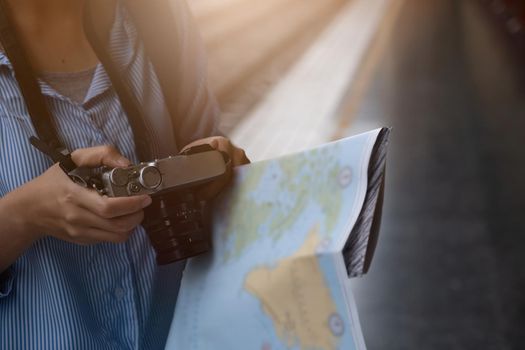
x=119, y=293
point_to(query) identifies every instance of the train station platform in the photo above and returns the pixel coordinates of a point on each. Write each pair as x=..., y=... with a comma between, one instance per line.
x=449, y=270
x=450, y=266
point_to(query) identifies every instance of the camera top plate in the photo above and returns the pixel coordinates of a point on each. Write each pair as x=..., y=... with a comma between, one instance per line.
x=174, y=173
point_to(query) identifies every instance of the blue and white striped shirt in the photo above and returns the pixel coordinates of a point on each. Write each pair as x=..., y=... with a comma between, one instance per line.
x=59, y=295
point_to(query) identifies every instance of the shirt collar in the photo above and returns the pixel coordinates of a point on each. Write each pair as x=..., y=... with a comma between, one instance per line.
x=99, y=85
x=4, y=61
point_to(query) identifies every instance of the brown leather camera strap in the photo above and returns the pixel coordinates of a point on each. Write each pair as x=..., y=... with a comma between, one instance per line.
x=47, y=140
x=97, y=32
x=159, y=32
x=163, y=37
x=42, y=120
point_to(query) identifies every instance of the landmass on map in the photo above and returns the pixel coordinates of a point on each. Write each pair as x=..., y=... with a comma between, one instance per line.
x=296, y=296
x=301, y=179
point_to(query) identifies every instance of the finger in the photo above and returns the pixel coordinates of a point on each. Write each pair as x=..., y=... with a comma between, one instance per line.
x=95, y=234
x=99, y=156
x=215, y=142
x=92, y=235
x=223, y=144
x=111, y=207
x=118, y=225
x=122, y=224
x=239, y=157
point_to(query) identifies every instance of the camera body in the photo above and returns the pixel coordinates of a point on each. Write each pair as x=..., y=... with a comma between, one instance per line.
x=177, y=220
x=199, y=165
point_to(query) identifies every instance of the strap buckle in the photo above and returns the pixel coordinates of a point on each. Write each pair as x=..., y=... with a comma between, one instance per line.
x=59, y=155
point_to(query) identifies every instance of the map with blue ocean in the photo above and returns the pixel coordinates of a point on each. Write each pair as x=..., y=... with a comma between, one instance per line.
x=275, y=278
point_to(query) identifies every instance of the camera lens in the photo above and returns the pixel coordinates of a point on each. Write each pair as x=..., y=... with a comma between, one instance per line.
x=177, y=227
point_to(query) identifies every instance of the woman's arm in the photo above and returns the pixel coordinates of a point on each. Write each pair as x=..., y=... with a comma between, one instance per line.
x=53, y=204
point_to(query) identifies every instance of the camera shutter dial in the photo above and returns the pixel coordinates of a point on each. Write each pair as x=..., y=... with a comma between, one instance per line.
x=150, y=177
x=119, y=177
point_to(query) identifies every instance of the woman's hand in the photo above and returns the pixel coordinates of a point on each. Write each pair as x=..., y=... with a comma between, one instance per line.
x=237, y=156
x=53, y=204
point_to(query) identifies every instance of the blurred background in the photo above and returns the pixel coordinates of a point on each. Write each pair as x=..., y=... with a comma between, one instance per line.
x=449, y=77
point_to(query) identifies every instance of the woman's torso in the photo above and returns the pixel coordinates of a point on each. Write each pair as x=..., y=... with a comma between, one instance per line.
x=66, y=296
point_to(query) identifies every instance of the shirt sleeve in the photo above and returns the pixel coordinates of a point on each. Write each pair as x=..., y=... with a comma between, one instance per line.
x=199, y=114
x=6, y=283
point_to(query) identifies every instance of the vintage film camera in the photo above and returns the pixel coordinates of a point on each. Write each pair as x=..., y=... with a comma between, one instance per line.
x=176, y=221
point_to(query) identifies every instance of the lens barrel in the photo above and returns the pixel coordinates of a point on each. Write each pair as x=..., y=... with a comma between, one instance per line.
x=177, y=226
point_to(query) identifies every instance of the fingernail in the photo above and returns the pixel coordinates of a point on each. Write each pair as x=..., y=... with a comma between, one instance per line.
x=146, y=202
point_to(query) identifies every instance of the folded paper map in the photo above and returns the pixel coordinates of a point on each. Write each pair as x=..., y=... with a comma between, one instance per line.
x=287, y=236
